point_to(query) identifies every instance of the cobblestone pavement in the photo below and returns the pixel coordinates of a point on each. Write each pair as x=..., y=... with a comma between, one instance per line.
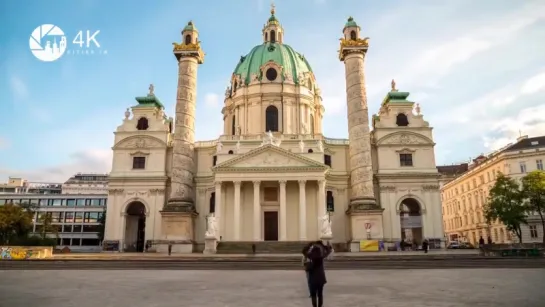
x=414, y=288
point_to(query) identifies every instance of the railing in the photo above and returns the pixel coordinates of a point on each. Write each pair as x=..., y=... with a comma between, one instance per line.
x=259, y=137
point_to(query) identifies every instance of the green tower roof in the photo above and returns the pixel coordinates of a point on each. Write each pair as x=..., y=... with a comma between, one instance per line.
x=282, y=54
x=149, y=101
x=351, y=23
x=190, y=27
x=396, y=97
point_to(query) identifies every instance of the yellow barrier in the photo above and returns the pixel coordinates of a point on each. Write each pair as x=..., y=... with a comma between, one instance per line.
x=369, y=246
x=25, y=252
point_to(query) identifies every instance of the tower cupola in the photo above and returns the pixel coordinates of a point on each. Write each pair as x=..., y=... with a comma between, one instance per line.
x=272, y=30
x=351, y=30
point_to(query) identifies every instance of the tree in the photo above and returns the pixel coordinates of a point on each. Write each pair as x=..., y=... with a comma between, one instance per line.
x=506, y=204
x=533, y=189
x=47, y=226
x=15, y=222
x=102, y=226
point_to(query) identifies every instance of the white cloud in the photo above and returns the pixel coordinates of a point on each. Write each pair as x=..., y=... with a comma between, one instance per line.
x=18, y=88
x=212, y=100
x=92, y=161
x=534, y=84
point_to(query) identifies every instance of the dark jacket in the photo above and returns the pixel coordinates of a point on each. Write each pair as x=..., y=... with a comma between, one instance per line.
x=316, y=254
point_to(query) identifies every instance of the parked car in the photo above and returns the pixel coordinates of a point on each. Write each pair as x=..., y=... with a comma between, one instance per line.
x=460, y=245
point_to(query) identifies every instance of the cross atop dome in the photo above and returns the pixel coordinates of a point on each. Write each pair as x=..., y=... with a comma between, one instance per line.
x=273, y=31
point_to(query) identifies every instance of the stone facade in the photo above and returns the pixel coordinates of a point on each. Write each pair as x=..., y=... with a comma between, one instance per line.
x=272, y=175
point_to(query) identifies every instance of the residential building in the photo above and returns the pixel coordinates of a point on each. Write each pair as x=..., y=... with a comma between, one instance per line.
x=464, y=197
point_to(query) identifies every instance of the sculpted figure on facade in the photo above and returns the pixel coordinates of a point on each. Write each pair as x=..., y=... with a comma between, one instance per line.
x=302, y=146
x=320, y=146
x=325, y=226
x=127, y=113
x=211, y=226
x=219, y=147
x=237, y=147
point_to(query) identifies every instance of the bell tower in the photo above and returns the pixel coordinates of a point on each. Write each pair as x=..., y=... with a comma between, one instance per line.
x=179, y=211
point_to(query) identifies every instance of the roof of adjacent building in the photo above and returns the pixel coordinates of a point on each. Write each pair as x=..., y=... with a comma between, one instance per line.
x=527, y=143
x=453, y=170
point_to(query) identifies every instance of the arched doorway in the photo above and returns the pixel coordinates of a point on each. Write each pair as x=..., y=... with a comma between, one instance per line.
x=135, y=227
x=410, y=216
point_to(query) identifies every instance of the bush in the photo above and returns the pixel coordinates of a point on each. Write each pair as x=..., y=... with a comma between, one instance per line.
x=33, y=241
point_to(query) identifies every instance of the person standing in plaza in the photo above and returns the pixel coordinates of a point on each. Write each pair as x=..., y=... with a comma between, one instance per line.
x=305, y=261
x=316, y=272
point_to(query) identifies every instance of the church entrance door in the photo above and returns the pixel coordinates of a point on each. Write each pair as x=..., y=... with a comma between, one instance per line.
x=135, y=227
x=270, y=225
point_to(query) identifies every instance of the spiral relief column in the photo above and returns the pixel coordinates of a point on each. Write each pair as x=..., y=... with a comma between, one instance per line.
x=179, y=211
x=352, y=53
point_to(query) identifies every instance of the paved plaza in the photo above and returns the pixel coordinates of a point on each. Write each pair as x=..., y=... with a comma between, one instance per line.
x=434, y=288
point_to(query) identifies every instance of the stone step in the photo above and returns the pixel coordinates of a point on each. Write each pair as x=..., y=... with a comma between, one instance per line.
x=267, y=247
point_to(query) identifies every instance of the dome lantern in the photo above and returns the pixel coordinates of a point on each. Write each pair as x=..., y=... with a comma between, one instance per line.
x=273, y=31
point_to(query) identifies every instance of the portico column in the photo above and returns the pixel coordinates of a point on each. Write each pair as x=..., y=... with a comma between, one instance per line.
x=236, y=208
x=302, y=211
x=257, y=212
x=218, y=208
x=321, y=198
x=283, y=218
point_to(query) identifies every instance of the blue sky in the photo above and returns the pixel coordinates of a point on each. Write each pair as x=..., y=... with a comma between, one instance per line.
x=477, y=68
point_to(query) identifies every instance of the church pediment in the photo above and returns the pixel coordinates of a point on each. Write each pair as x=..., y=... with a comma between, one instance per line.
x=140, y=142
x=405, y=138
x=270, y=157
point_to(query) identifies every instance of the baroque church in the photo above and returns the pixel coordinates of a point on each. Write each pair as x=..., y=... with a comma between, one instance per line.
x=272, y=177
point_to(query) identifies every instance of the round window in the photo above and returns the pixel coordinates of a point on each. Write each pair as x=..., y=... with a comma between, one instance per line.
x=271, y=74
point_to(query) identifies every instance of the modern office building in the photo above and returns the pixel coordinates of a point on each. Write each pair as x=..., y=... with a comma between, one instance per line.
x=464, y=197
x=75, y=216
x=86, y=184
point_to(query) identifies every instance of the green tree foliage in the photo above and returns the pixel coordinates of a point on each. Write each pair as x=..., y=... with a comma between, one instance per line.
x=15, y=222
x=506, y=204
x=102, y=226
x=47, y=226
x=533, y=190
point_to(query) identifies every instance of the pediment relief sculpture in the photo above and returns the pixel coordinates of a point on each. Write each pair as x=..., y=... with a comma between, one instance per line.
x=269, y=159
x=270, y=156
x=404, y=139
x=140, y=142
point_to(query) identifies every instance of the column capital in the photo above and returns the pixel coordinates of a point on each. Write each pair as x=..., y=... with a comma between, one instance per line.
x=282, y=182
x=321, y=182
x=237, y=183
x=218, y=184
x=256, y=183
x=302, y=182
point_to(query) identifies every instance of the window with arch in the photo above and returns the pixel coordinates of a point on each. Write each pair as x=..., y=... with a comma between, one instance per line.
x=327, y=160
x=310, y=151
x=273, y=36
x=401, y=120
x=230, y=152
x=214, y=160
x=271, y=118
x=142, y=124
x=188, y=39
x=212, y=203
x=330, y=202
x=233, y=127
x=353, y=35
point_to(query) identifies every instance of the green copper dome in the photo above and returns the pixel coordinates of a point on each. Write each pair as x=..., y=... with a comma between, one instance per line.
x=293, y=62
x=190, y=27
x=351, y=23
